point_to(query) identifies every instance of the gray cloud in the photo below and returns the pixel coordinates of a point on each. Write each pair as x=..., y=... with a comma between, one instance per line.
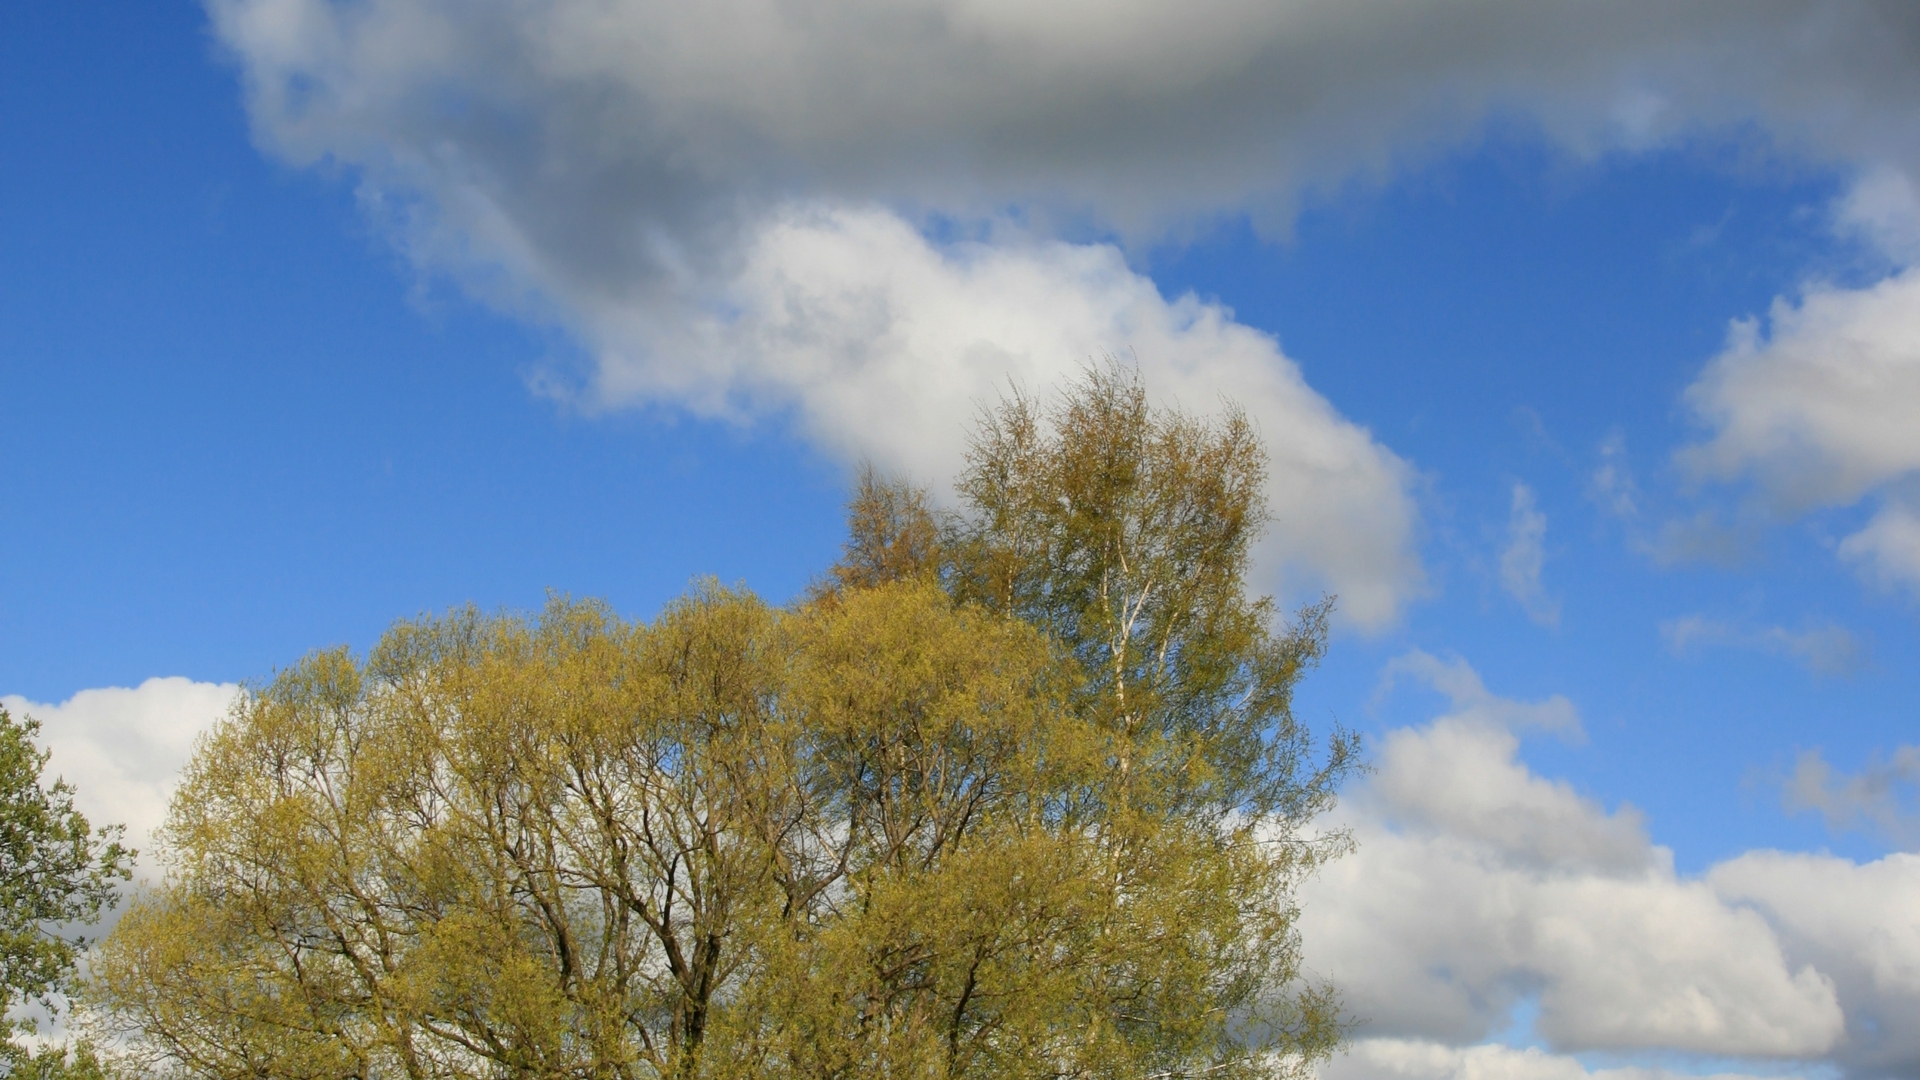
x=1870, y=797
x=1700, y=536
x=710, y=197
x=600, y=131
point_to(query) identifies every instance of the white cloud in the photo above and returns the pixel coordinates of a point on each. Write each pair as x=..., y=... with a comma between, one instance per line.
x=1887, y=550
x=713, y=196
x=1524, y=558
x=1870, y=796
x=1820, y=406
x=1471, y=701
x=1859, y=924
x=1883, y=208
x=1824, y=648
x=1480, y=886
x=1418, y=1059
x=1478, y=883
x=123, y=749
x=883, y=345
x=1816, y=404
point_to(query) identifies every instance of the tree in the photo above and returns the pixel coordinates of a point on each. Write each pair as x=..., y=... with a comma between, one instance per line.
x=1125, y=534
x=917, y=825
x=56, y=872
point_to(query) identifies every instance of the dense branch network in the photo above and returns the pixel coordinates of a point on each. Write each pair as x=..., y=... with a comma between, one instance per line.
x=1014, y=792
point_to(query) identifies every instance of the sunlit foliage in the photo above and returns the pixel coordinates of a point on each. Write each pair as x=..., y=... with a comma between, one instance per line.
x=1015, y=792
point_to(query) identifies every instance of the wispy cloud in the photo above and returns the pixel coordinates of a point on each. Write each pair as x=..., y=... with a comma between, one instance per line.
x=1612, y=483
x=1871, y=798
x=1524, y=558
x=1699, y=536
x=1823, y=648
x=1887, y=549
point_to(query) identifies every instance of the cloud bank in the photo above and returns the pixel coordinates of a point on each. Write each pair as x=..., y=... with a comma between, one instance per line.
x=1480, y=887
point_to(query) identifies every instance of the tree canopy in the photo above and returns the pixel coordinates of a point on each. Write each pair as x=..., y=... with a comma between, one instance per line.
x=1015, y=792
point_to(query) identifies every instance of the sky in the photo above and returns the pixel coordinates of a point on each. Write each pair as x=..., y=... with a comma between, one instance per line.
x=1585, y=340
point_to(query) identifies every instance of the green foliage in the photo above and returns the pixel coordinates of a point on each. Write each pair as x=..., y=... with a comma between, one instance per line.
x=55, y=872
x=1013, y=794
x=79, y=1061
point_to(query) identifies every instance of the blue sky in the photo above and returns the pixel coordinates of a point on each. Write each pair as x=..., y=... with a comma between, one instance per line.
x=302, y=331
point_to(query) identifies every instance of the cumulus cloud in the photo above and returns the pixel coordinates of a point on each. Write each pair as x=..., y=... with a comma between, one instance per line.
x=710, y=196
x=1824, y=648
x=1818, y=405
x=1859, y=924
x=1869, y=797
x=1524, y=558
x=1815, y=402
x=1481, y=890
x=1478, y=884
x=1472, y=703
x=1459, y=775
x=123, y=748
x=882, y=344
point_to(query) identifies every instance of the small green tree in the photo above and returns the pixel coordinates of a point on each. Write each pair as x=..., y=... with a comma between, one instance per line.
x=56, y=873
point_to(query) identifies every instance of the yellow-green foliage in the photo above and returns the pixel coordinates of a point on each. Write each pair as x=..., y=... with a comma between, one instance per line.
x=913, y=827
